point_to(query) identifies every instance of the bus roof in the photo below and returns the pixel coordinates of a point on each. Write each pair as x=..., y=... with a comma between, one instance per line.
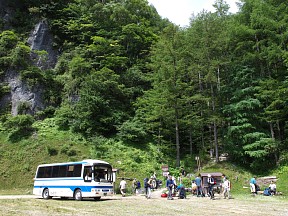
x=86, y=161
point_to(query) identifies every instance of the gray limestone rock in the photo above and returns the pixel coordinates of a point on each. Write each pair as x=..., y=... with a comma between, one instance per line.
x=22, y=98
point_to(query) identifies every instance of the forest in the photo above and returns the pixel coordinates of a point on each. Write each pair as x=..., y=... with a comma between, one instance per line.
x=218, y=86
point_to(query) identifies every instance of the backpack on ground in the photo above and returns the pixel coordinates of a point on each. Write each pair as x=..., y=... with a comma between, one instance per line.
x=182, y=193
x=267, y=192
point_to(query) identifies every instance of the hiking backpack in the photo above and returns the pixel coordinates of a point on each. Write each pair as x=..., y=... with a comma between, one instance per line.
x=146, y=182
x=138, y=185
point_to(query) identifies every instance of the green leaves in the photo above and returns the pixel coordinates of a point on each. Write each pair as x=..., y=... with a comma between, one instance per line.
x=19, y=127
x=13, y=52
x=220, y=83
x=262, y=147
x=100, y=107
x=8, y=40
x=132, y=131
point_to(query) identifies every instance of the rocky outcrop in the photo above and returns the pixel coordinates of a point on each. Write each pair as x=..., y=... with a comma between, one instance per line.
x=23, y=99
x=41, y=39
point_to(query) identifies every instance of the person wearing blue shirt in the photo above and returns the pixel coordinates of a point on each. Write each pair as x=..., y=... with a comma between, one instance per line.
x=198, y=182
x=253, y=185
x=170, y=185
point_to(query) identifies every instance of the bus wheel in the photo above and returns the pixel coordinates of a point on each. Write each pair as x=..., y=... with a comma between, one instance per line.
x=78, y=195
x=97, y=198
x=45, y=194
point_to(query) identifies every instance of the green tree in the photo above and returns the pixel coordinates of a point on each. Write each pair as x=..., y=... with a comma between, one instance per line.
x=165, y=99
x=100, y=107
x=258, y=41
x=208, y=57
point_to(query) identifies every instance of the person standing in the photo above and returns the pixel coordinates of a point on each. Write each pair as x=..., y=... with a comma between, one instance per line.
x=183, y=172
x=223, y=178
x=210, y=181
x=122, y=186
x=253, y=185
x=138, y=188
x=169, y=186
x=134, y=186
x=149, y=185
x=146, y=186
x=198, y=183
x=227, y=188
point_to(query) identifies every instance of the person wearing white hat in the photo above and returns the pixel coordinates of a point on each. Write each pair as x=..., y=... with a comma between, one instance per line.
x=210, y=181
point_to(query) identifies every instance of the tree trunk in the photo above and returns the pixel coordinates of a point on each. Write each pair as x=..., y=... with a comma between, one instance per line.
x=190, y=141
x=216, y=141
x=218, y=78
x=177, y=139
x=211, y=142
x=273, y=137
x=200, y=82
x=272, y=131
x=215, y=133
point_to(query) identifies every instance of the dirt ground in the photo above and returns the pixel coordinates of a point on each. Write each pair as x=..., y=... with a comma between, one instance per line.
x=139, y=205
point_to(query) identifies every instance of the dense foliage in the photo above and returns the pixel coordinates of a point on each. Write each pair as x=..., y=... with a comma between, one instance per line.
x=219, y=85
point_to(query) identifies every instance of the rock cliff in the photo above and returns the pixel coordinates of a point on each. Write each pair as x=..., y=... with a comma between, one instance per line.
x=21, y=97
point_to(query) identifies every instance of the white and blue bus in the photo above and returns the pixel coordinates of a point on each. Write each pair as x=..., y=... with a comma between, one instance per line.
x=82, y=179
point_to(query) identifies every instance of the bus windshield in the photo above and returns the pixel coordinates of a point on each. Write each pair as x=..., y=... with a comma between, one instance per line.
x=102, y=173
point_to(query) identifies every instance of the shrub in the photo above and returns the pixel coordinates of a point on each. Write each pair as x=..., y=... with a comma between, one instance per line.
x=46, y=113
x=186, y=182
x=23, y=107
x=66, y=149
x=133, y=131
x=19, y=127
x=51, y=151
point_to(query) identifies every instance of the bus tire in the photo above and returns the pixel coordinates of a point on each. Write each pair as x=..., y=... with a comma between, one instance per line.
x=97, y=198
x=45, y=194
x=78, y=195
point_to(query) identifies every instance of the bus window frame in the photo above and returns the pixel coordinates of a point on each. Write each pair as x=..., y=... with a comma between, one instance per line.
x=87, y=168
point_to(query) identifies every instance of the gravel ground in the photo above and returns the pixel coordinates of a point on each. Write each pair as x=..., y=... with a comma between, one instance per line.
x=139, y=205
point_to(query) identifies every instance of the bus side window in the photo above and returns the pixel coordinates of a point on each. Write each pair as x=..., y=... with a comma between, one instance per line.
x=62, y=171
x=40, y=173
x=55, y=171
x=87, y=174
x=77, y=170
x=48, y=172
